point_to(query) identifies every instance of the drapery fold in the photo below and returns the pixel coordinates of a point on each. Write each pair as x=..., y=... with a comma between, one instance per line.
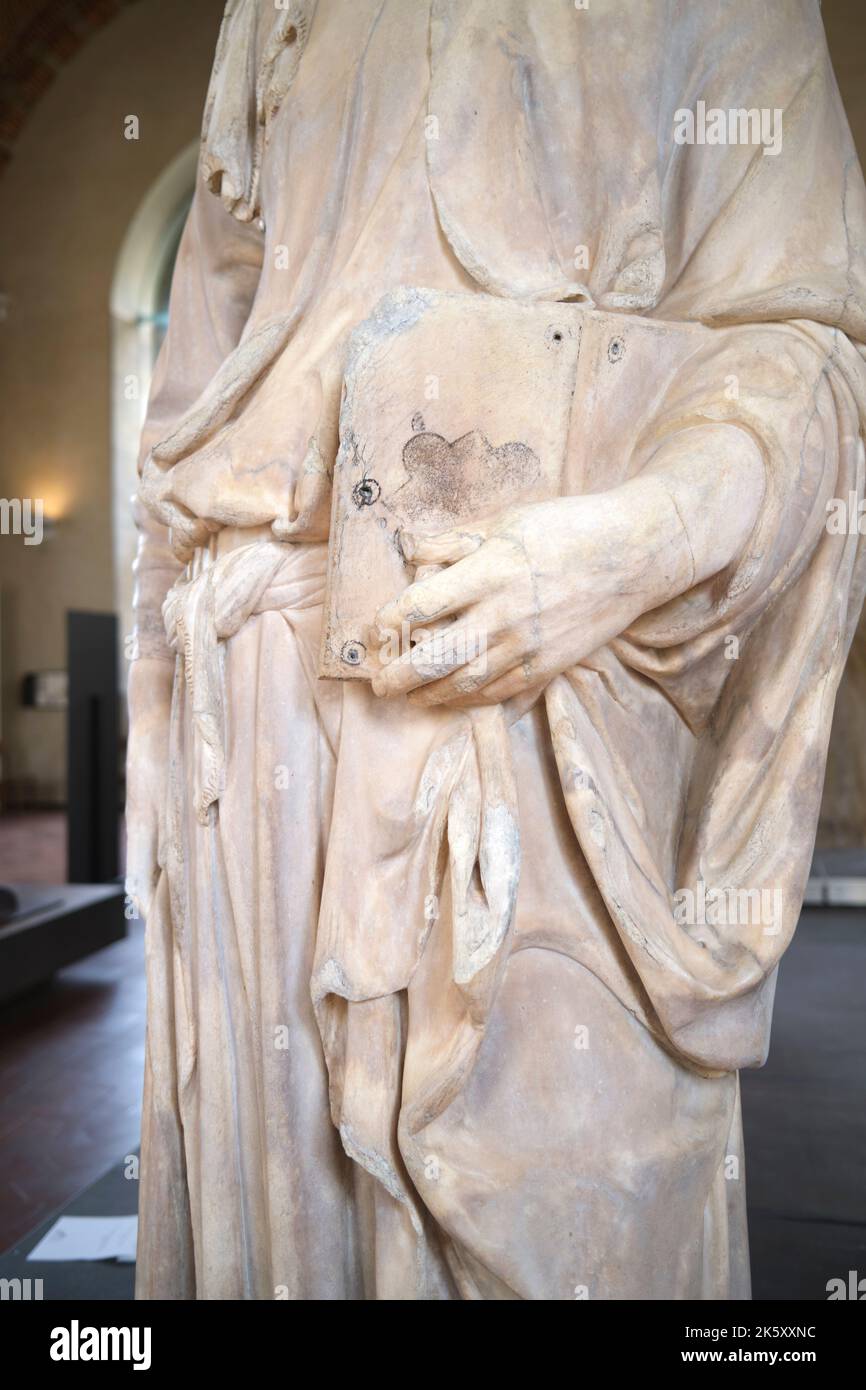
x=686, y=756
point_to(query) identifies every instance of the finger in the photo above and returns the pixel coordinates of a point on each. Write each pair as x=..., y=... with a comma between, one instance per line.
x=506, y=677
x=425, y=572
x=431, y=659
x=515, y=684
x=436, y=597
x=444, y=548
x=521, y=684
x=465, y=686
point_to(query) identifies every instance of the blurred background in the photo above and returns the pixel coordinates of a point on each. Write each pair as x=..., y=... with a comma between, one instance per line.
x=100, y=108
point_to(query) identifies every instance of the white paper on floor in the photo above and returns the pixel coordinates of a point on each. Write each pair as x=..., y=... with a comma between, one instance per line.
x=89, y=1238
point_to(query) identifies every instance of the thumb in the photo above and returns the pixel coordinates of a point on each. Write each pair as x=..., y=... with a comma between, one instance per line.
x=443, y=548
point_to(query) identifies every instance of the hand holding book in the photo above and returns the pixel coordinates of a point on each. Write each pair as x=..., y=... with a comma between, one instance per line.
x=545, y=584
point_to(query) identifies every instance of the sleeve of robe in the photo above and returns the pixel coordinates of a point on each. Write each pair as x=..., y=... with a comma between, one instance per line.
x=692, y=750
x=733, y=684
x=215, y=279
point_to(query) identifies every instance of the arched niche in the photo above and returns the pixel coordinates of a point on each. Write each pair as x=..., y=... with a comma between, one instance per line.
x=139, y=314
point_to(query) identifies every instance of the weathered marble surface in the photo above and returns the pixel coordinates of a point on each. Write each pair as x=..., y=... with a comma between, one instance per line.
x=437, y=1006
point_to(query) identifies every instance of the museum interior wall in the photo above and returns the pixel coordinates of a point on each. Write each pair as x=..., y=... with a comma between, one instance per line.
x=71, y=188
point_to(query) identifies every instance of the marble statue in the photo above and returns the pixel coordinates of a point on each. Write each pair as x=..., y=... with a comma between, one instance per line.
x=490, y=619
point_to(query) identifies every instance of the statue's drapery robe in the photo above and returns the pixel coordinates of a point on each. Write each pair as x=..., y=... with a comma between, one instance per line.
x=329, y=1113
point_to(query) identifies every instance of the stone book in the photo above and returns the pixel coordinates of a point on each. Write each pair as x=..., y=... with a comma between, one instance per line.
x=456, y=406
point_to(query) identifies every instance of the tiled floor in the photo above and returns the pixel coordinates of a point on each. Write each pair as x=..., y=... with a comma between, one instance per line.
x=33, y=847
x=71, y=1065
x=805, y=1115
x=71, y=1053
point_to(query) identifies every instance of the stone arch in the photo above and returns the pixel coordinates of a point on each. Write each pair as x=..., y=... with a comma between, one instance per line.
x=139, y=300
